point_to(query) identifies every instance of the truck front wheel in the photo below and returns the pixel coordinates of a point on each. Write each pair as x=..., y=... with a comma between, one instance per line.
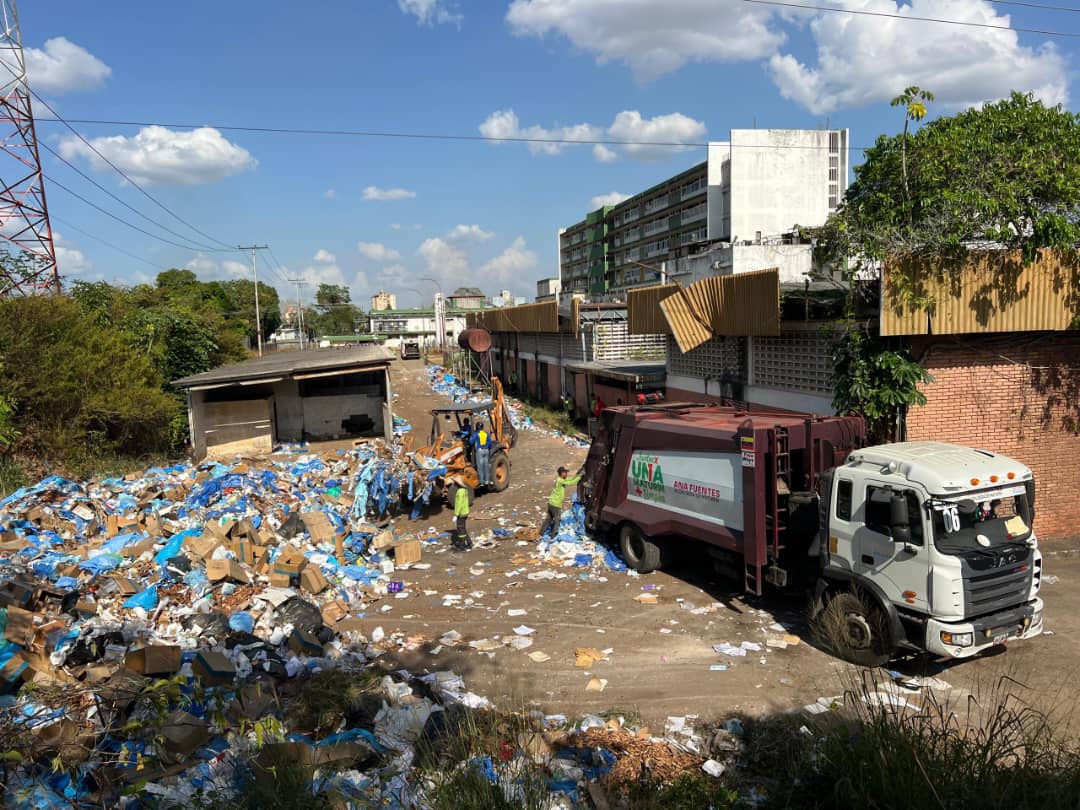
x=856, y=630
x=640, y=553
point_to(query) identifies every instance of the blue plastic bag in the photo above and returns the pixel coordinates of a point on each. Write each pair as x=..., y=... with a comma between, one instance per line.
x=147, y=600
x=242, y=622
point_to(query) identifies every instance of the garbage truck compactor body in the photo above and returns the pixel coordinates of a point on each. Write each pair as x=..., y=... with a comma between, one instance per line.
x=908, y=546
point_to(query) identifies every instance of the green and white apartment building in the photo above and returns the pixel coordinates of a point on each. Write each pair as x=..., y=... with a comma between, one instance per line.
x=735, y=212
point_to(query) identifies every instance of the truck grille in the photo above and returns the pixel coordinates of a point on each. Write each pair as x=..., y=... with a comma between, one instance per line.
x=993, y=583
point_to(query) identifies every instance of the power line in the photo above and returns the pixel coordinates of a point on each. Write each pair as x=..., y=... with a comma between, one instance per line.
x=77, y=229
x=133, y=209
x=863, y=12
x=119, y=171
x=119, y=219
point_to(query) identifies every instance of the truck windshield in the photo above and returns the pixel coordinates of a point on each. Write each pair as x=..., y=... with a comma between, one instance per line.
x=981, y=521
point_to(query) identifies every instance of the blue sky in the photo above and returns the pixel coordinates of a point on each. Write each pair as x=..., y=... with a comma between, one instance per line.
x=384, y=212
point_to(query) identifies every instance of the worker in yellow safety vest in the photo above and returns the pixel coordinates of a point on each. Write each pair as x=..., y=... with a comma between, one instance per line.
x=462, y=541
x=481, y=442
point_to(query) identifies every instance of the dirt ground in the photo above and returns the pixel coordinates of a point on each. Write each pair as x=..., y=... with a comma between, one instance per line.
x=660, y=655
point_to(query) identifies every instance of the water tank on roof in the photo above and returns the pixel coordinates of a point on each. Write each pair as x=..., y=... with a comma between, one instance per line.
x=479, y=340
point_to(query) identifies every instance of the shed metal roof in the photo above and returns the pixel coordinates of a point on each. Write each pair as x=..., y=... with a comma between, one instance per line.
x=291, y=364
x=625, y=371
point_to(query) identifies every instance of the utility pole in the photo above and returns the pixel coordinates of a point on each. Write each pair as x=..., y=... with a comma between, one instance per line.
x=255, y=273
x=299, y=309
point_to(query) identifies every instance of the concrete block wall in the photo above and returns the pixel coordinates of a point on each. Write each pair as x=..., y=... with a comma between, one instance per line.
x=1016, y=395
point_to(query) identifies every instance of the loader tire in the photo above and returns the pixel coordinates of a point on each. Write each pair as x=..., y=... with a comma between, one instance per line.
x=500, y=472
x=640, y=553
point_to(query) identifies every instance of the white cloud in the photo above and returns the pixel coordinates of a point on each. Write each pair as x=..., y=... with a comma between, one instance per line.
x=396, y=226
x=503, y=124
x=469, y=232
x=376, y=193
x=162, y=156
x=863, y=60
x=377, y=252
x=511, y=266
x=202, y=266
x=61, y=66
x=671, y=128
x=604, y=154
x=323, y=255
x=235, y=269
x=653, y=38
x=431, y=12
x=70, y=261
x=444, y=260
x=611, y=198
x=329, y=194
x=628, y=125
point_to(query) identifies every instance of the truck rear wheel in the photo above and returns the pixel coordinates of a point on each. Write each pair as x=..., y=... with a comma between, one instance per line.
x=640, y=553
x=855, y=630
x=500, y=472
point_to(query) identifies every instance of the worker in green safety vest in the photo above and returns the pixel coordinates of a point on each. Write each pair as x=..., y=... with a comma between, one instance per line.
x=462, y=541
x=558, y=497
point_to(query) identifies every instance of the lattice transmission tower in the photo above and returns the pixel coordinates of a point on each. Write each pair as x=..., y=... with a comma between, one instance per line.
x=30, y=266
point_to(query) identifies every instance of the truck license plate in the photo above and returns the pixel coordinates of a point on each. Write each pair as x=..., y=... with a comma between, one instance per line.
x=1001, y=638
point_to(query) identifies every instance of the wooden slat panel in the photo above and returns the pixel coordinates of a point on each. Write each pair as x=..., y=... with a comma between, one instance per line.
x=643, y=310
x=987, y=292
x=684, y=318
x=528, y=318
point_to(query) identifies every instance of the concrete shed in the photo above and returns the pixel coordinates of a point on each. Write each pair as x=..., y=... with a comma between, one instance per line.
x=289, y=397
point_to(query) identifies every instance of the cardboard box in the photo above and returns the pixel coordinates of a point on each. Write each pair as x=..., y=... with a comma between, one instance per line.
x=319, y=526
x=13, y=672
x=155, y=659
x=11, y=543
x=215, y=529
x=333, y=612
x=153, y=524
x=312, y=580
x=280, y=580
x=20, y=627
x=136, y=550
x=120, y=691
x=203, y=546
x=217, y=570
x=303, y=643
x=407, y=552
x=183, y=733
x=18, y=592
x=213, y=668
x=244, y=550
x=290, y=554
x=384, y=539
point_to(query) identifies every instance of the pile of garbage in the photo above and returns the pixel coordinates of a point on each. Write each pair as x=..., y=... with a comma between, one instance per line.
x=158, y=629
x=445, y=383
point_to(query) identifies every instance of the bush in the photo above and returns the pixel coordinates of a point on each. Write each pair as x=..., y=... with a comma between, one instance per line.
x=76, y=385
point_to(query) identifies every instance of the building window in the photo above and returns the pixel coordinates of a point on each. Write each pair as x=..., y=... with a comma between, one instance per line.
x=832, y=201
x=833, y=174
x=834, y=141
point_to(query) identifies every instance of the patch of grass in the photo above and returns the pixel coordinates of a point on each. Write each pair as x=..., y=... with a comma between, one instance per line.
x=688, y=792
x=330, y=697
x=549, y=417
x=490, y=785
x=12, y=476
x=993, y=751
x=272, y=781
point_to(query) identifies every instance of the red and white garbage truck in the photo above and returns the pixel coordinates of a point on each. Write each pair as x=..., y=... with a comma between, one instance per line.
x=919, y=546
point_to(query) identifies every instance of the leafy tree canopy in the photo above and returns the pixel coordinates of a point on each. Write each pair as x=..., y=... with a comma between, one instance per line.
x=1007, y=174
x=329, y=295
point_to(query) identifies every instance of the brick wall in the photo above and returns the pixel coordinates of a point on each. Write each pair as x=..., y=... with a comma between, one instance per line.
x=1018, y=395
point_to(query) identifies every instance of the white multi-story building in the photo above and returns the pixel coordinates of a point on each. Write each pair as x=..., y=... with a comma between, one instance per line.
x=751, y=193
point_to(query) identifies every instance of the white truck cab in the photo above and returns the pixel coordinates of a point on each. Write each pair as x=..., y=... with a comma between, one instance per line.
x=940, y=537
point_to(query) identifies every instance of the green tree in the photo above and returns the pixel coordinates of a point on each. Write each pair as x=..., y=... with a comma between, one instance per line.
x=329, y=295
x=912, y=99
x=1005, y=173
x=240, y=294
x=77, y=386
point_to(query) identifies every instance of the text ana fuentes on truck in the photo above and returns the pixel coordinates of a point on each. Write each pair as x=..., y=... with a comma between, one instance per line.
x=914, y=546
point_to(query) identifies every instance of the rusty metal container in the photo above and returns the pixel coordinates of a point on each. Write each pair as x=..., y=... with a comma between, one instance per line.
x=478, y=340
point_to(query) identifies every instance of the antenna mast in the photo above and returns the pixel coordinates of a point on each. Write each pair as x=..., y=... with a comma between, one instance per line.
x=24, y=215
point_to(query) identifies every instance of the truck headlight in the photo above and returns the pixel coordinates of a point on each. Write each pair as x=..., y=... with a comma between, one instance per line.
x=956, y=639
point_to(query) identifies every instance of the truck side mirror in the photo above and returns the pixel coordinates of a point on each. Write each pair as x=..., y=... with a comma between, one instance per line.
x=898, y=519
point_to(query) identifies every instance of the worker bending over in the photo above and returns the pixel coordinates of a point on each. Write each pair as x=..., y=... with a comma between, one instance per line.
x=558, y=497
